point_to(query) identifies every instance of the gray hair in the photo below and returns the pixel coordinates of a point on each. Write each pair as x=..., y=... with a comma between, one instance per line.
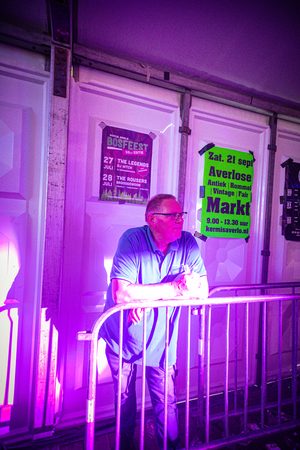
x=155, y=202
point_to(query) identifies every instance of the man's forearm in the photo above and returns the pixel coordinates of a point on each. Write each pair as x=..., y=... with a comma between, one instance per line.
x=143, y=293
x=187, y=286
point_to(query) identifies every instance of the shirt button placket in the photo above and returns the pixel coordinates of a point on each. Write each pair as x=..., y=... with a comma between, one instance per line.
x=164, y=267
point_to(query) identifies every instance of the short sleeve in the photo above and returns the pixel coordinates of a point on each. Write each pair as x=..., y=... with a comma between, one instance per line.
x=125, y=265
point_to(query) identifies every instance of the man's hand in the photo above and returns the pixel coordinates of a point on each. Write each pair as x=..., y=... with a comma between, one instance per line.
x=191, y=285
x=135, y=315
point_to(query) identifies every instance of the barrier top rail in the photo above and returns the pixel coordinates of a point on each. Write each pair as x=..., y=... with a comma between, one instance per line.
x=239, y=287
x=196, y=302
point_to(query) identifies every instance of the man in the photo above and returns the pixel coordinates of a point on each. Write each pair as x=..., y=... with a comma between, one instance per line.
x=153, y=262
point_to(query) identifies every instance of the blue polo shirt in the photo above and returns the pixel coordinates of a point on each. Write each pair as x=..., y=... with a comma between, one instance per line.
x=138, y=260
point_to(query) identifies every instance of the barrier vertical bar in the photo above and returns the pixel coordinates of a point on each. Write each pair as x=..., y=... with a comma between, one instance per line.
x=246, y=367
x=207, y=376
x=279, y=358
x=166, y=378
x=227, y=370
x=142, y=431
x=201, y=346
x=296, y=354
x=118, y=421
x=263, y=364
x=91, y=398
x=187, y=399
x=235, y=354
x=294, y=358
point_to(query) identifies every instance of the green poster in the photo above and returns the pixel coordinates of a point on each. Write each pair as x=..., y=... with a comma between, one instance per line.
x=227, y=180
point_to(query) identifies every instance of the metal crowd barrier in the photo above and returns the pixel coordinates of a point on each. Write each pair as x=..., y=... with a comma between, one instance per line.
x=9, y=324
x=204, y=349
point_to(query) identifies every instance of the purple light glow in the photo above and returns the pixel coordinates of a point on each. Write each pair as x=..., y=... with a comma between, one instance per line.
x=9, y=317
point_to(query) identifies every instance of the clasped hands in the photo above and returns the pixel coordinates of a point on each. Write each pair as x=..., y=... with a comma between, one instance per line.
x=186, y=285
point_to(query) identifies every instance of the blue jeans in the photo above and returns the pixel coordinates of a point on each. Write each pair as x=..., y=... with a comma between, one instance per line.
x=155, y=377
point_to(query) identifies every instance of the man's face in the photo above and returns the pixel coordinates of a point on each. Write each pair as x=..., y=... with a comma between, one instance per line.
x=165, y=228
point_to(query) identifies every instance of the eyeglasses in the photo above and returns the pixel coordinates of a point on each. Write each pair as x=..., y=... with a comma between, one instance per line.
x=174, y=216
